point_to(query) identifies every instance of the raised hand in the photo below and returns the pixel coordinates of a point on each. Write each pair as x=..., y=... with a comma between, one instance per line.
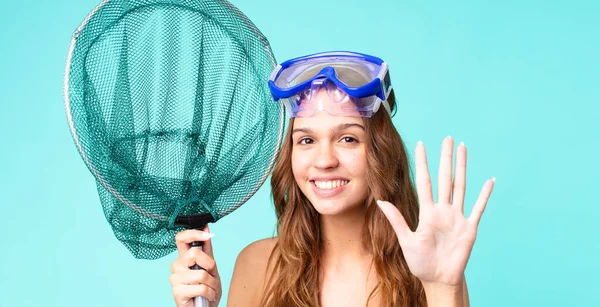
x=438, y=251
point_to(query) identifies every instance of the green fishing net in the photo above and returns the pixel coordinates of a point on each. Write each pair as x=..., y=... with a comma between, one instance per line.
x=169, y=107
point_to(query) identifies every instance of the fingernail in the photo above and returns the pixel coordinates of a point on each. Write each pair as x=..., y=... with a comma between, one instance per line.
x=494, y=179
x=419, y=143
x=449, y=137
x=379, y=202
x=208, y=235
x=461, y=144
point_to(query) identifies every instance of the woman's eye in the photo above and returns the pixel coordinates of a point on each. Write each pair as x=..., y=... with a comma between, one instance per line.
x=305, y=141
x=349, y=139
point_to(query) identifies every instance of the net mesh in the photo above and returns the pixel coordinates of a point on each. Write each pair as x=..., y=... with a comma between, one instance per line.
x=169, y=107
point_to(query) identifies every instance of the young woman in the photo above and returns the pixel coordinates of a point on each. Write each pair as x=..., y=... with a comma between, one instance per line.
x=352, y=229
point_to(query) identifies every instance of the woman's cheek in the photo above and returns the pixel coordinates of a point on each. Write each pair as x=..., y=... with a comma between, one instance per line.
x=299, y=163
x=355, y=161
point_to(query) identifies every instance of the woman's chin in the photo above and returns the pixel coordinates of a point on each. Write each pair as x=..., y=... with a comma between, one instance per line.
x=333, y=207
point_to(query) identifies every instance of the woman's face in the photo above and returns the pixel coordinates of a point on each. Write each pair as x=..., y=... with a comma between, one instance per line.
x=329, y=160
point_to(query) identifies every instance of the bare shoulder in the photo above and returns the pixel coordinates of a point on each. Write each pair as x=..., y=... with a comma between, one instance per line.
x=259, y=249
x=249, y=274
x=255, y=257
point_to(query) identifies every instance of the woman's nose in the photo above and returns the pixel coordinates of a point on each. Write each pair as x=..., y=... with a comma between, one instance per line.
x=326, y=157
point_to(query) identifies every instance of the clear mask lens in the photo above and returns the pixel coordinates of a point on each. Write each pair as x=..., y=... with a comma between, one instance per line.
x=350, y=73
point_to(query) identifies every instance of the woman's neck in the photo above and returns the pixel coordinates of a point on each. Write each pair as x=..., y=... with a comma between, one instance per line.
x=346, y=268
x=343, y=238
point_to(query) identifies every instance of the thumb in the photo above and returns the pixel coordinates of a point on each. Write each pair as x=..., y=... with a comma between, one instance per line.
x=396, y=220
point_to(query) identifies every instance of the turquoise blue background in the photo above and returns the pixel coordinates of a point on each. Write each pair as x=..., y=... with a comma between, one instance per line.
x=517, y=81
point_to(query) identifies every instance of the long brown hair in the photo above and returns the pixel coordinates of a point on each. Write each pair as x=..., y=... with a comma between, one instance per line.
x=293, y=275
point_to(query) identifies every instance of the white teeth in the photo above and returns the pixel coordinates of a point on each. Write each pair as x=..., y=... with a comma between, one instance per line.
x=328, y=185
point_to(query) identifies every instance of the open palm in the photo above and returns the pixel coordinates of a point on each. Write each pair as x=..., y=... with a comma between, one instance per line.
x=440, y=247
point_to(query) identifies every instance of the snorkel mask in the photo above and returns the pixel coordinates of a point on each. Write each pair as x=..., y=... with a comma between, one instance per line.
x=357, y=84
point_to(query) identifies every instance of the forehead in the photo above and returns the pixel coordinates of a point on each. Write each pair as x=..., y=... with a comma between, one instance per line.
x=325, y=121
x=322, y=118
x=333, y=101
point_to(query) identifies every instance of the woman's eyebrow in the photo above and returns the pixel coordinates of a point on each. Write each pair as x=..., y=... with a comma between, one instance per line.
x=342, y=127
x=304, y=130
x=337, y=128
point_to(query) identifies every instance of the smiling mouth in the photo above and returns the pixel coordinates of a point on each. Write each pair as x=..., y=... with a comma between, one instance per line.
x=329, y=185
